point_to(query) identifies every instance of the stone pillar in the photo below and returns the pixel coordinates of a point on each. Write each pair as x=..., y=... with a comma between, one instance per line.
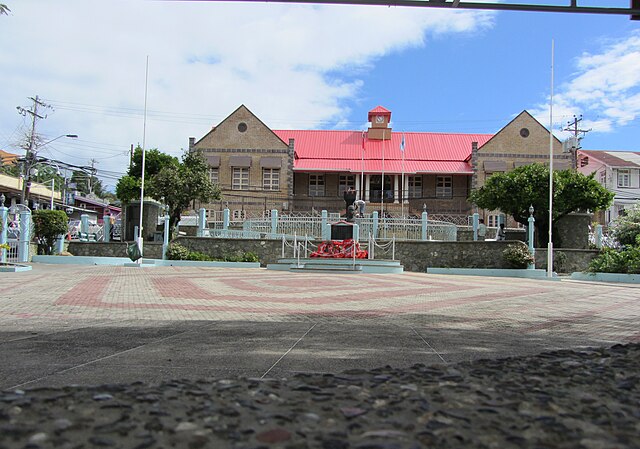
x=530, y=228
x=226, y=214
x=376, y=222
x=358, y=192
x=202, y=220
x=165, y=240
x=476, y=223
x=325, y=228
x=474, y=164
x=25, y=236
x=274, y=221
x=4, y=222
x=106, y=220
x=59, y=245
x=425, y=219
x=599, y=236
x=84, y=228
x=367, y=187
x=396, y=189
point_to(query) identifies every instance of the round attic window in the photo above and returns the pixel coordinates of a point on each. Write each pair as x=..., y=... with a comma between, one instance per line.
x=242, y=127
x=524, y=132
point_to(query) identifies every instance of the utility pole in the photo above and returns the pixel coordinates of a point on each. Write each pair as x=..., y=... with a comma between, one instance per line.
x=93, y=162
x=31, y=149
x=576, y=131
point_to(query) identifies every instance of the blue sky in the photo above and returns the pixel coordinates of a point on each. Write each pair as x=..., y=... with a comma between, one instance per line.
x=303, y=67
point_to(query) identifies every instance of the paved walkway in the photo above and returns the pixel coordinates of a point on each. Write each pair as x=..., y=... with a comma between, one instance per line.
x=89, y=325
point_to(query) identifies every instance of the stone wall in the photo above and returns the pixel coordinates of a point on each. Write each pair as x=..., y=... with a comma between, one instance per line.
x=415, y=256
x=566, y=260
x=113, y=249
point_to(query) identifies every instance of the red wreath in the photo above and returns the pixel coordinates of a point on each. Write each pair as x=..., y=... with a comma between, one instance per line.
x=340, y=249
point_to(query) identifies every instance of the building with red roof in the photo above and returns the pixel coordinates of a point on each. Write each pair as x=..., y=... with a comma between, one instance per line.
x=259, y=169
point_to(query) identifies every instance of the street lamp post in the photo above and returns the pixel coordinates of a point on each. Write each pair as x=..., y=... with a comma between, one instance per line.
x=30, y=157
x=530, y=229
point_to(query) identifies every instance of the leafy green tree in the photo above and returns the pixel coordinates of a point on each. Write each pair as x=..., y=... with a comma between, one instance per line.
x=128, y=187
x=177, y=186
x=513, y=192
x=49, y=226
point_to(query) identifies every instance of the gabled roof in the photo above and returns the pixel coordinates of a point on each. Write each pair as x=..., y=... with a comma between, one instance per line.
x=621, y=159
x=318, y=150
x=525, y=113
x=379, y=110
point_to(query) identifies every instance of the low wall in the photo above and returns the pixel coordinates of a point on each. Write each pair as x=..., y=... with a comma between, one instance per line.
x=415, y=256
x=566, y=260
x=113, y=249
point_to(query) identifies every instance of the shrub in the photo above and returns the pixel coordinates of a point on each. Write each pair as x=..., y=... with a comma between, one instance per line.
x=176, y=251
x=517, y=256
x=611, y=260
x=49, y=226
x=627, y=227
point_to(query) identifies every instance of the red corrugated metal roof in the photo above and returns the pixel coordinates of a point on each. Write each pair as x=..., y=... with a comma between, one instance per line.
x=376, y=166
x=339, y=149
x=380, y=110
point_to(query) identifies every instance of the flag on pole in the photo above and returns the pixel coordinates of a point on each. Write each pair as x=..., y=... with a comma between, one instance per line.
x=402, y=143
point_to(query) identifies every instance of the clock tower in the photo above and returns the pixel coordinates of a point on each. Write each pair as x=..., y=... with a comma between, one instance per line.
x=379, y=129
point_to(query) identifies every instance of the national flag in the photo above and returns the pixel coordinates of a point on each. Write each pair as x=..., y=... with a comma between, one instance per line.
x=402, y=143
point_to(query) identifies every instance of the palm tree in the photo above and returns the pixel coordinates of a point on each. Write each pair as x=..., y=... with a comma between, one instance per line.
x=4, y=9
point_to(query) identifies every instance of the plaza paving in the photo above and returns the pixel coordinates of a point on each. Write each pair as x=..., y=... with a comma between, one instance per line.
x=62, y=325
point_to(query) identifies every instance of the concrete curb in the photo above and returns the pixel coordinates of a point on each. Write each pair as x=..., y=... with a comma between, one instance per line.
x=124, y=261
x=494, y=272
x=607, y=277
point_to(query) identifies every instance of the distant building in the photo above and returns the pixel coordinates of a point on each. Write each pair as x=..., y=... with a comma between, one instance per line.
x=259, y=169
x=619, y=172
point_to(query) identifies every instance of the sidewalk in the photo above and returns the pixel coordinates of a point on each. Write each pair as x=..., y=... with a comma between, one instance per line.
x=92, y=325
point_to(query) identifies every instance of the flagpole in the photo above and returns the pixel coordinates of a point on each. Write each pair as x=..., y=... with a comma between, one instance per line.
x=144, y=136
x=362, y=174
x=402, y=187
x=384, y=131
x=550, y=244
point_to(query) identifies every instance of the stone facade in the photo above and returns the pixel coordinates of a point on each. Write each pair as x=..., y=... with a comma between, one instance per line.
x=244, y=142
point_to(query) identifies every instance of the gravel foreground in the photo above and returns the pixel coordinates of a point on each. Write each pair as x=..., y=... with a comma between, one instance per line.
x=563, y=399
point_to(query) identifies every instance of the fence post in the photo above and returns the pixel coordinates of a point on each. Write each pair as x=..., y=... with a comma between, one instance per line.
x=84, y=227
x=59, y=245
x=202, y=220
x=274, y=221
x=476, y=222
x=326, y=231
x=25, y=236
x=376, y=222
x=225, y=218
x=135, y=233
x=165, y=240
x=106, y=220
x=599, y=236
x=356, y=232
x=425, y=221
x=4, y=215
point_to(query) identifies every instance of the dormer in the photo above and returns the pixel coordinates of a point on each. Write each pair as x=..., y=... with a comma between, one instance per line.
x=379, y=118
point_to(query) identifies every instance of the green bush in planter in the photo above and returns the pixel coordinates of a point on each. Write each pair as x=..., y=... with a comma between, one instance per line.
x=176, y=251
x=49, y=226
x=610, y=260
x=517, y=256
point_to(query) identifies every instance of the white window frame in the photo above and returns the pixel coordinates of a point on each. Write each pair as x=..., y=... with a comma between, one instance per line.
x=603, y=177
x=214, y=175
x=270, y=179
x=344, y=182
x=316, y=184
x=444, y=186
x=493, y=220
x=415, y=187
x=240, y=178
x=624, y=177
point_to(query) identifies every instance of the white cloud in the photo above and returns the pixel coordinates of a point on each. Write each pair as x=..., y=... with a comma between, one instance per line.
x=293, y=65
x=605, y=88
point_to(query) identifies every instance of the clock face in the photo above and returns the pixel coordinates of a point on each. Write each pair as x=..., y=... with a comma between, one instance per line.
x=379, y=118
